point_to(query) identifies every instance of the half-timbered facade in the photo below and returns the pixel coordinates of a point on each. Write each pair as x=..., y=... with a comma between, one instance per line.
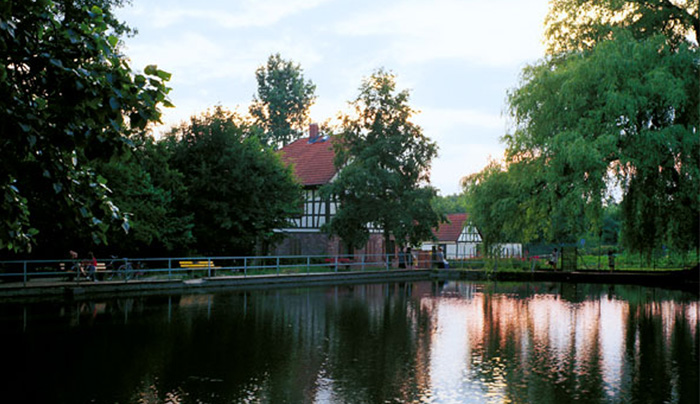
x=317, y=211
x=459, y=239
x=312, y=159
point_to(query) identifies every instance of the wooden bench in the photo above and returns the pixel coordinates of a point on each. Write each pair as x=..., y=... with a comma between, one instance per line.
x=101, y=267
x=199, y=265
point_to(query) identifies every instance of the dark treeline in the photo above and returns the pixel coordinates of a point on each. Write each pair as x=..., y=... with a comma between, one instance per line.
x=207, y=187
x=82, y=170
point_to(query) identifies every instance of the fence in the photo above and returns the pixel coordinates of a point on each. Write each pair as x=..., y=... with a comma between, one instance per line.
x=128, y=269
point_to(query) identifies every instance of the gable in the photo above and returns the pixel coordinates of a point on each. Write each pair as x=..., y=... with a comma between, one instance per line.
x=450, y=231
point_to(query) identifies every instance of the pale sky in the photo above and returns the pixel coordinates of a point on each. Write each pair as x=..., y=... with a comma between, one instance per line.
x=458, y=58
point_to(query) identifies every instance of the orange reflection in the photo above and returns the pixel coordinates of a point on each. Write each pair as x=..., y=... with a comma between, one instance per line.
x=483, y=342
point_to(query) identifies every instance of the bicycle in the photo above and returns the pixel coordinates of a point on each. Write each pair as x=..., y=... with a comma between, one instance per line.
x=124, y=271
x=75, y=272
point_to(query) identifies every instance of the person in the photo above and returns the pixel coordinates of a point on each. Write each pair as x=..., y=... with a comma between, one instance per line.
x=76, y=268
x=409, y=257
x=554, y=259
x=611, y=260
x=445, y=263
x=90, y=266
x=402, y=258
x=442, y=263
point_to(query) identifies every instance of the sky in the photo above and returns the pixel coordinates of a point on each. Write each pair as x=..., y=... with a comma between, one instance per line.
x=458, y=59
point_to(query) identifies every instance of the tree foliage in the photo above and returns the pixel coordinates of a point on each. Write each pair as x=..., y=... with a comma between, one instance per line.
x=237, y=190
x=147, y=189
x=68, y=99
x=456, y=203
x=281, y=107
x=616, y=107
x=578, y=25
x=384, y=161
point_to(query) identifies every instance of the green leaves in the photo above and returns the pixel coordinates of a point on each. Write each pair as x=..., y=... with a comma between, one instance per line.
x=384, y=160
x=282, y=104
x=616, y=108
x=574, y=25
x=238, y=190
x=63, y=109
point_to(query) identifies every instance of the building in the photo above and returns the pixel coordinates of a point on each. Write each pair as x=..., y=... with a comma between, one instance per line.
x=459, y=239
x=312, y=161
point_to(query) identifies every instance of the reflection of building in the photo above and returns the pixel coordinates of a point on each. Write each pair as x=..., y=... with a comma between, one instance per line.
x=312, y=159
x=459, y=239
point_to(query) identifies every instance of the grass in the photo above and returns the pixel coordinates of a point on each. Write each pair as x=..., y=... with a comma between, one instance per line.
x=623, y=263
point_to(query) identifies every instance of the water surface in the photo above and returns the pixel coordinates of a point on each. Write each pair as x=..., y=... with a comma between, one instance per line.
x=423, y=342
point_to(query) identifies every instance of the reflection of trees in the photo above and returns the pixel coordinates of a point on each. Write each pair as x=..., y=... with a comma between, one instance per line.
x=658, y=364
x=549, y=343
x=682, y=337
x=386, y=321
x=365, y=343
x=289, y=346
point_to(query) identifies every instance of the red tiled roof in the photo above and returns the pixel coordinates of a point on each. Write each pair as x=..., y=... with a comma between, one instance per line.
x=313, y=162
x=451, y=231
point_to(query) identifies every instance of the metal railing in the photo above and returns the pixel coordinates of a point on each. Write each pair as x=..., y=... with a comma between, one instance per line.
x=131, y=269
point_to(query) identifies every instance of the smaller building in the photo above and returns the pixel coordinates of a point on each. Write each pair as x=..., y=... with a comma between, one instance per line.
x=459, y=239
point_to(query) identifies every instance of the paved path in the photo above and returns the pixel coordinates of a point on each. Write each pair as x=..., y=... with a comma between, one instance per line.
x=55, y=288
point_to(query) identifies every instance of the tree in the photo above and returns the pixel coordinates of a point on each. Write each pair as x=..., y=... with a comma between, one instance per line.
x=384, y=162
x=456, y=203
x=616, y=106
x=492, y=202
x=628, y=108
x=578, y=25
x=512, y=202
x=610, y=230
x=281, y=107
x=146, y=188
x=238, y=191
x=68, y=99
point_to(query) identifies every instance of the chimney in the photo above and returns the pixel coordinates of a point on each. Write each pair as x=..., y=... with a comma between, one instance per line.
x=313, y=132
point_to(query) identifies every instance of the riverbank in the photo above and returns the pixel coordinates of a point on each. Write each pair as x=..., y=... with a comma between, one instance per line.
x=51, y=290
x=687, y=280
x=63, y=290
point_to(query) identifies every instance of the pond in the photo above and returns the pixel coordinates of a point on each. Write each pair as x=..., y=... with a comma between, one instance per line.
x=422, y=342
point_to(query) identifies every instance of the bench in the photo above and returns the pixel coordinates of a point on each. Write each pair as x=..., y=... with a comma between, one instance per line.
x=101, y=267
x=190, y=265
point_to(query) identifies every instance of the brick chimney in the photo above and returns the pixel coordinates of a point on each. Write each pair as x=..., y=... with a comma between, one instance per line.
x=313, y=132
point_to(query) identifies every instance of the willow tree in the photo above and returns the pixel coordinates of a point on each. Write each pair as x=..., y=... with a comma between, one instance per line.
x=613, y=106
x=384, y=162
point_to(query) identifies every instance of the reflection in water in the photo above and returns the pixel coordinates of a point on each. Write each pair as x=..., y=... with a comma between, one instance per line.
x=455, y=342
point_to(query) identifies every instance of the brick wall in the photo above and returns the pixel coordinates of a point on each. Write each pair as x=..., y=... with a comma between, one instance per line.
x=321, y=244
